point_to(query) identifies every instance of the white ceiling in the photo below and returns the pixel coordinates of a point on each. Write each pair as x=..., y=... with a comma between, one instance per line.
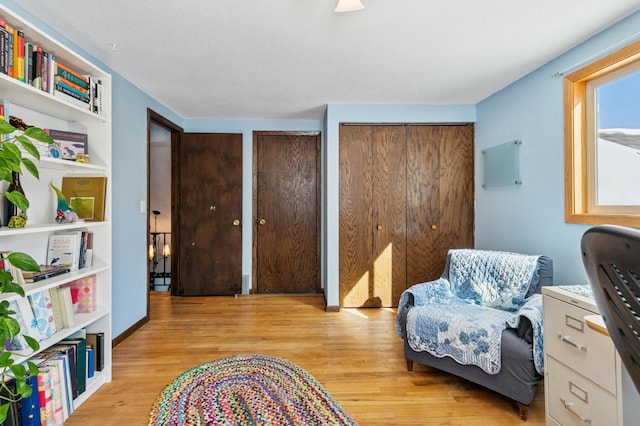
x=287, y=59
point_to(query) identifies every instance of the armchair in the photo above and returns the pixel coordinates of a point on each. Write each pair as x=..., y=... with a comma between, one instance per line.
x=482, y=321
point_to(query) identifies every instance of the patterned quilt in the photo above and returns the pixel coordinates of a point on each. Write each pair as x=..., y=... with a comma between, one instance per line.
x=463, y=317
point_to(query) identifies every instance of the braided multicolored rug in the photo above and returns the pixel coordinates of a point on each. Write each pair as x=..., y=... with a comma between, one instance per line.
x=247, y=390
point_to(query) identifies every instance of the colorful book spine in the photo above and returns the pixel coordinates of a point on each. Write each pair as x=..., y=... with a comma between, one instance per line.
x=56, y=391
x=68, y=90
x=62, y=80
x=30, y=406
x=18, y=54
x=72, y=76
x=10, y=50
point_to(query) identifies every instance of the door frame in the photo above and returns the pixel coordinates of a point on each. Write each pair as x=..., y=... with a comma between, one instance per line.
x=254, y=232
x=176, y=131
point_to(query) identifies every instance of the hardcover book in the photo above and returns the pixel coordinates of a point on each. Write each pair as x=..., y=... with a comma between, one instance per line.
x=70, y=143
x=86, y=194
x=87, y=292
x=30, y=407
x=43, y=313
x=64, y=249
x=23, y=309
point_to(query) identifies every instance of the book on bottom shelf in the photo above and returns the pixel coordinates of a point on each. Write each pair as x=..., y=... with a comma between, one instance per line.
x=13, y=413
x=30, y=407
x=96, y=341
x=79, y=341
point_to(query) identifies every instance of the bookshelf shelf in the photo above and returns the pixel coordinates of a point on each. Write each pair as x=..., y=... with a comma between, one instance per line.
x=50, y=227
x=50, y=110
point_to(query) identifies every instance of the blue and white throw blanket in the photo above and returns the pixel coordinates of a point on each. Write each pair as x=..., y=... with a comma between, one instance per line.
x=464, y=317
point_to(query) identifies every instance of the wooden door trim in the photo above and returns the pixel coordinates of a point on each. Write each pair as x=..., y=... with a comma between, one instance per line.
x=176, y=131
x=254, y=207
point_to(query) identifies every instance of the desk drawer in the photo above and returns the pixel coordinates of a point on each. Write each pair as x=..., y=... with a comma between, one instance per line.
x=574, y=400
x=568, y=339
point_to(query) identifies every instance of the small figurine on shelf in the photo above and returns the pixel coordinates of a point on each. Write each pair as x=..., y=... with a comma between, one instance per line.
x=60, y=216
x=65, y=213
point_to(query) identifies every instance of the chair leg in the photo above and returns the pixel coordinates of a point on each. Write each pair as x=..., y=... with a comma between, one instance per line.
x=409, y=364
x=524, y=411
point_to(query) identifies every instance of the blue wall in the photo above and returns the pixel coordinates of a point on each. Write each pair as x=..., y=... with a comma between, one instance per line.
x=530, y=218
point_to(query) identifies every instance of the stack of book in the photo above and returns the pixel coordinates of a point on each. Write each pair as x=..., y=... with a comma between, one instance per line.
x=79, y=89
x=46, y=271
x=63, y=372
x=27, y=61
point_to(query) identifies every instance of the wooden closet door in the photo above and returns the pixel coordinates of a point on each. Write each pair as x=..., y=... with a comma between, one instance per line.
x=457, y=187
x=440, y=193
x=389, y=204
x=356, y=238
x=372, y=215
x=424, y=257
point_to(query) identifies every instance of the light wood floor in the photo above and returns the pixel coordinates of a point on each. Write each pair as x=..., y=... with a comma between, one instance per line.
x=355, y=354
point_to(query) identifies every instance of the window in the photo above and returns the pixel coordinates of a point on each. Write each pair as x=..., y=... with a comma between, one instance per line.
x=602, y=140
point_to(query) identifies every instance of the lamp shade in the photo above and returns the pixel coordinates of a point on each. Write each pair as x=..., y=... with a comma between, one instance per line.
x=348, y=5
x=166, y=250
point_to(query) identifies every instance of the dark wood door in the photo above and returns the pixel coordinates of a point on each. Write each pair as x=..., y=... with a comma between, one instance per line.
x=209, y=214
x=287, y=206
x=372, y=215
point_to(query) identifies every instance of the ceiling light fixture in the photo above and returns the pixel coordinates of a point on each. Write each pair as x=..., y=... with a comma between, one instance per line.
x=348, y=5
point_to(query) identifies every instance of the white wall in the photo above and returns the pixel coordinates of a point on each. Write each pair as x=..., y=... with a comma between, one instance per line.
x=530, y=218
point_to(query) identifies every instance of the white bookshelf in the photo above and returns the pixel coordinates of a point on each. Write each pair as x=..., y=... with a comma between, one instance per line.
x=44, y=110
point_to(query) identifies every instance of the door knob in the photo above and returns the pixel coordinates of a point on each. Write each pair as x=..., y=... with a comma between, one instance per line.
x=236, y=222
x=379, y=227
x=262, y=221
x=433, y=226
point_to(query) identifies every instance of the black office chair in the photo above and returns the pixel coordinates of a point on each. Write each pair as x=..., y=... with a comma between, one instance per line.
x=611, y=256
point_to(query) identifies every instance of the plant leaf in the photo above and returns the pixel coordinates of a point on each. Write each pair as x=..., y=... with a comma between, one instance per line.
x=38, y=134
x=28, y=146
x=18, y=370
x=33, y=369
x=18, y=199
x=4, y=409
x=10, y=159
x=31, y=168
x=6, y=128
x=12, y=149
x=11, y=287
x=33, y=343
x=23, y=261
x=23, y=389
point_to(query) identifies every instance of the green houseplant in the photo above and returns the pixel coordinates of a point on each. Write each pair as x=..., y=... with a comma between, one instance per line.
x=13, y=160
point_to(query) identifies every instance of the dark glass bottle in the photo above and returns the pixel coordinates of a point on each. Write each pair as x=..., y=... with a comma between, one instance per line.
x=11, y=209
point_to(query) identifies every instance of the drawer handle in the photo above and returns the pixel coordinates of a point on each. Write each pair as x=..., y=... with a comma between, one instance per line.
x=575, y=345
x=568, y=407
